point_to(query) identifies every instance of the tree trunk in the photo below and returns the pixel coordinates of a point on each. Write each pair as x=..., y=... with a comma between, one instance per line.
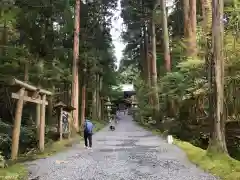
x=145, y=45
x=50, y=107
x=209, y=61
x=154, y=73
x=186, y=18
x=190, y=26
x=97, y=96
x=83, y=103
x=75, y=84
x=167, y=57
x=4, y=39
x=206, y=24
x=69, y=94
x=26, y=71
x=206, y=15
x=94, y=100
x=146, y=58
x=143, y=72
x=217, y=141
x=210, y=76
x=65, y=92
x=100, y=99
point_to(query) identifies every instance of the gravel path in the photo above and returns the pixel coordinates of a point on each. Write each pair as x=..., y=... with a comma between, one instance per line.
x=128, y=153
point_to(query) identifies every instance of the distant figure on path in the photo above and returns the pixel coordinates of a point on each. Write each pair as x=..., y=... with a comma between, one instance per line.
x=117, y=116
x=126, y=110
x=112, y=123
x=88, y=131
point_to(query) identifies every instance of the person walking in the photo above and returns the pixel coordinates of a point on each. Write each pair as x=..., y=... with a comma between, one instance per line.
x=117, y=116
x=88, y=132
x=112, y=123
x=125, y=110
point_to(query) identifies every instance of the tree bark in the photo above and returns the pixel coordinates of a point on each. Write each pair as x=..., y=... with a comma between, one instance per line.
x=209, y=61
x=217, y=141
x=50, y=107
x=206, y=15
x=167, y=57
x=26, y=71
x=97, y=95
x=190, y=26
x=186, y=18
x=100, y=99
x=146, y=55
x=94, y=100
x=154, y=73
x=4, y=39
x=143, y=72
x=75, y=84
x=83, y=103
x=206, y=24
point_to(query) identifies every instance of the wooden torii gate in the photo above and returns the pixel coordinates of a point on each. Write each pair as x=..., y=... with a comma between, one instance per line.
x=28, y=93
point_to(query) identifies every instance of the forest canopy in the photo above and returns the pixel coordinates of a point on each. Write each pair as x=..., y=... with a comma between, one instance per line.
x=187, y=56
x=37, y=46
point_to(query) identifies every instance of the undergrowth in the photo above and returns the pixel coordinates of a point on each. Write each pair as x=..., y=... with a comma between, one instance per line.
x=219, y=165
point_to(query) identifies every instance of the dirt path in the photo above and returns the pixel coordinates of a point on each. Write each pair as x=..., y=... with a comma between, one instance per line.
x=128, y=153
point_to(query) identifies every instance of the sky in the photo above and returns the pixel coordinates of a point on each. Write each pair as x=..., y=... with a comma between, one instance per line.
x=117, y=23
x=127, y=87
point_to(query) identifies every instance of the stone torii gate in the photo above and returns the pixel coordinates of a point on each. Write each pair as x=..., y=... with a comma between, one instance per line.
x=28, y=93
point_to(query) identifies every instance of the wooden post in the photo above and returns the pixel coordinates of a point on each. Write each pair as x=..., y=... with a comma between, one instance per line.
x=61, y=123
x=17, y=125
x=38, y=119
x=42, y=124
x=40, y=112
x=70, y=124
x=29, y=99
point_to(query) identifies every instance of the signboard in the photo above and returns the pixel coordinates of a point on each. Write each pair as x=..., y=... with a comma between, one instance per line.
x=65, y=122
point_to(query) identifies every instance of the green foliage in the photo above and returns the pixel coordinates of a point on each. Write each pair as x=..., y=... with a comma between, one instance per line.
x=142, y=95
x=15, y=172
x=36, y=45
x=2, y=161
x=115, y=93
x=220, y=165
x=127, y=75
x=183, y=92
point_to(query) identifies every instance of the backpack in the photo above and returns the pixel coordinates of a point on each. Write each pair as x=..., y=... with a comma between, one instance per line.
x=88, y=127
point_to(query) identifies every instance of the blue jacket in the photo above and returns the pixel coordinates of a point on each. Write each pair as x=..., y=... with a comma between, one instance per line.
x=88, y=127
